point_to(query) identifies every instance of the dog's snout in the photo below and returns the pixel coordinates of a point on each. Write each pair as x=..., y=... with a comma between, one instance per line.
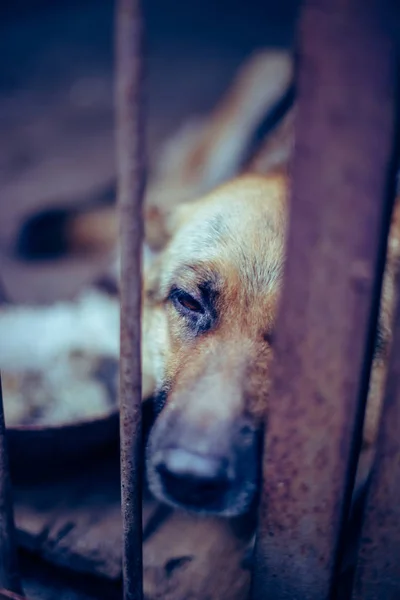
x=192, y=479
x=211, y=470
x=184, y=463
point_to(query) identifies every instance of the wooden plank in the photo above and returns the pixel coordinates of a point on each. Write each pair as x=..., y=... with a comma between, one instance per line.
x=339, y=218
x=75, y=523
x=44, y=582
x=131, y=182
x=378, y=568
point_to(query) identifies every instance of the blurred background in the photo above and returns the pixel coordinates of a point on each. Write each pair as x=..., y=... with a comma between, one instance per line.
x=56, y=100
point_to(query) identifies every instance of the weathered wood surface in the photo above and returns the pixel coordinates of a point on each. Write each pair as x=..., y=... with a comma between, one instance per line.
x=75, y=523
x=42, y=581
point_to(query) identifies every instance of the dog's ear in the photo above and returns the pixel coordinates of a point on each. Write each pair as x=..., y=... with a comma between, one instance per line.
x=212, y=150
x=273, y=154
x=202, y=155
x=260, y=93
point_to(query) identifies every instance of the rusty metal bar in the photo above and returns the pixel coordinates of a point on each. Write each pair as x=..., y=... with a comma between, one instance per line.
x=131, y=183
x=378, y=569
x=9, y=577
x=339, y=219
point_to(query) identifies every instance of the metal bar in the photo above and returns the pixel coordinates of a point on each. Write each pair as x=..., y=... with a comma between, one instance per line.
x=131, y=183
x=324, y=339
x=378, y=568
x=9, y=577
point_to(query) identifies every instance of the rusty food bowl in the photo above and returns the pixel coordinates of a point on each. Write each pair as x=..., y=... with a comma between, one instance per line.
x=59, y=366
x=38, y=451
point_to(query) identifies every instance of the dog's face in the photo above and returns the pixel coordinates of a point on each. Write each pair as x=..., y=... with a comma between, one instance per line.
x=213, y=299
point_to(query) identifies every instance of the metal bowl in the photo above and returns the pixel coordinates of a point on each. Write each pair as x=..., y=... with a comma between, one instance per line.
x=37, y=451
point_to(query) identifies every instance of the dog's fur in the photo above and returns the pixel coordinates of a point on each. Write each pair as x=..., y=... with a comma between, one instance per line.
x=213, y=299
x=212, y=361
x=208, y=324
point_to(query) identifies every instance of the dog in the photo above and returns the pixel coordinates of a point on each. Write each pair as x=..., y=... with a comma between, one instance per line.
x=210, y=300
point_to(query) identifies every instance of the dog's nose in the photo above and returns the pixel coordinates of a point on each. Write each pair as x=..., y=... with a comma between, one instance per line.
x=192, y=479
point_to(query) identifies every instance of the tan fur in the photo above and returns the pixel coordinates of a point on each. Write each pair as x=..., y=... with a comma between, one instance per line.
x=276, y=150
x=246, y=258
x=232, y=239
x=93, y=231
x=206, y=153
x=235, y=355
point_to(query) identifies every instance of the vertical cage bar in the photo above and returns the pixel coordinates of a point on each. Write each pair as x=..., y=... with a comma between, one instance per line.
x=378, y=569
x=9, y=577
x=131, y=184
x=339, y=218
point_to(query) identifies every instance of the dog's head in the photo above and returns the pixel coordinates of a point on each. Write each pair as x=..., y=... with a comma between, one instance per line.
x=213, y=298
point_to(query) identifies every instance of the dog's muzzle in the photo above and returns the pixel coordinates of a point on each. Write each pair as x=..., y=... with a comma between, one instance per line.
x=193, y=480
x=211, y=471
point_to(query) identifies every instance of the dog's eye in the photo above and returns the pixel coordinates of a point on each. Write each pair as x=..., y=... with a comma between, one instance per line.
x=187, y=301
x=269, y=337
